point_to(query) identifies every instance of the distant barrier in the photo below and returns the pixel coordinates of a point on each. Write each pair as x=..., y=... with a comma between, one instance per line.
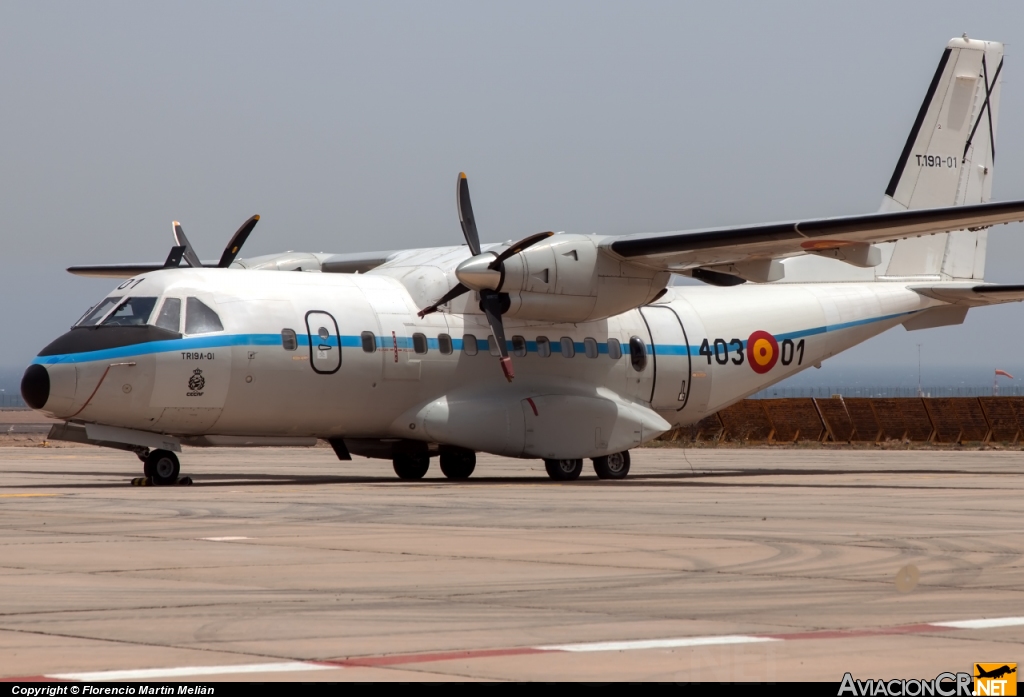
x=1005, y=390
x=861, y=420
x=12, y=401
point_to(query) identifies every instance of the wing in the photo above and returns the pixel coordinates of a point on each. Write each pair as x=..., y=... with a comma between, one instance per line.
x=360, y=262
x=114, y=270
x=752, y=244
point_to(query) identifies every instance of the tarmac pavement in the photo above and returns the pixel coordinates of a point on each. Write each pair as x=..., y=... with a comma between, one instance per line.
x=758, y=564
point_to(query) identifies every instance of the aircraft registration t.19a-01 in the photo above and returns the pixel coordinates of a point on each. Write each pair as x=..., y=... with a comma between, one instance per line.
x=560, y=346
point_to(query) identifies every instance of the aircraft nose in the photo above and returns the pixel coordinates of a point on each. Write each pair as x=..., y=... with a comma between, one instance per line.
x=35, y=386
x=50, y=388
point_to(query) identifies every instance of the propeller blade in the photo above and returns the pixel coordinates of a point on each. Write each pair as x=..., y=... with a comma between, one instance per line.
x=490, y=302
x=237, y=240
x=447, y=297
x=189, y=254
x=466, y=214
x=519, y=246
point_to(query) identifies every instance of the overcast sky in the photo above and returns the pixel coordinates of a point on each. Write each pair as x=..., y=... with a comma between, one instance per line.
x=344, y=126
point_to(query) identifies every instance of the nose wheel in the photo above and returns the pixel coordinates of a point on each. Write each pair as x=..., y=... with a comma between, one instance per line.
x=162, y=467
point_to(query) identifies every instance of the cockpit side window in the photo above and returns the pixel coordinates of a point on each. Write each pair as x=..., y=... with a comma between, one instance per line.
x=93, y=317
x=200, y=319
x=132, y=312
x=170, y=315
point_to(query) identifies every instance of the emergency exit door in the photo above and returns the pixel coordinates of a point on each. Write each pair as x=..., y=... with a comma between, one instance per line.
x=324, y=342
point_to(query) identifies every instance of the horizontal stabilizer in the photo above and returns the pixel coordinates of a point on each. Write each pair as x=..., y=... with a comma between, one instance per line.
x=972, y=294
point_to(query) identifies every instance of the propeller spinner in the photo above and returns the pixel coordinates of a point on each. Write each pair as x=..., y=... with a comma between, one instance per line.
x=484, y=273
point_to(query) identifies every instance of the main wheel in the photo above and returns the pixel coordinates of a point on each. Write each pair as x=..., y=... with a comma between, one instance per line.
x=564, y=470
x=162, y=467
x=614, y=466
x=458, y=464
x=411, y=466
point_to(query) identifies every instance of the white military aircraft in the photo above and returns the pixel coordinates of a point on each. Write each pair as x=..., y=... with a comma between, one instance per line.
x=560, y=346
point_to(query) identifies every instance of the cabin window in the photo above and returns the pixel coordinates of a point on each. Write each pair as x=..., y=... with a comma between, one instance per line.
x=469, y=346
x=614, y=349
x=444, y=344
x=590, y=345
x=492, y=346
x=93, y=317
x=132, y=312
x=637, y=354
x=518, y=346
x=568, y=348
x=543, y=347
x=369, y=342
x=289, y=341
x=170, y=315
x=200, y=319
x=419, y=343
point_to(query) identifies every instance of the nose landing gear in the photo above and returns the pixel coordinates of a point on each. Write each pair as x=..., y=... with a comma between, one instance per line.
x=162, y=467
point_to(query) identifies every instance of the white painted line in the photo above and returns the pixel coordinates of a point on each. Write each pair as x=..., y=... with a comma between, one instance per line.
x=224, y=539
x=982, y=624
x=151, y=673
x=659, y=643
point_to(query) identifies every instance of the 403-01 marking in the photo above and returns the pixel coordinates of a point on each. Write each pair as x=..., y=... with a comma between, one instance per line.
x=763, y=347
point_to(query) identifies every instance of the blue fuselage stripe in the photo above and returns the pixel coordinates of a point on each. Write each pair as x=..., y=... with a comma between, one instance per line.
x=198, y=343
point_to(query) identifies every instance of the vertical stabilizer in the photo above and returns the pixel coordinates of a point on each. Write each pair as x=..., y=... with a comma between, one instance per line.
x=948, y=161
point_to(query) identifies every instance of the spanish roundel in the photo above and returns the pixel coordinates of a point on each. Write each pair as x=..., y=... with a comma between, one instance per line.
x=762, y=351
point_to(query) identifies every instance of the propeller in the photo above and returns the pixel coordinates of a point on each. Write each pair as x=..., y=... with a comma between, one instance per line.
x=230, y=251
x=484, y=273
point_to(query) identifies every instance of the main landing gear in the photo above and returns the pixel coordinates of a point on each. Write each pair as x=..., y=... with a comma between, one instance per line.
x=456, y=463
x=614, y=466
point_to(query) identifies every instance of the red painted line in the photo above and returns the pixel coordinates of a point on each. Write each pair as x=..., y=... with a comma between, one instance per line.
x=30, y=678
x=532, y=406
x=396, y=659
x=410, y=658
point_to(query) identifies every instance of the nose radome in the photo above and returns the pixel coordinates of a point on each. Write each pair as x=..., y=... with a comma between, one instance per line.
x=35, y=386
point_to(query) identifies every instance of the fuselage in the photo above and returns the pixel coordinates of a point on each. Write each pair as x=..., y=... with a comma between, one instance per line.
x=346, y=356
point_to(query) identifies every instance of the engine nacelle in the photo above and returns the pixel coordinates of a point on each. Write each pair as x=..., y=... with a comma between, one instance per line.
x=567, y=278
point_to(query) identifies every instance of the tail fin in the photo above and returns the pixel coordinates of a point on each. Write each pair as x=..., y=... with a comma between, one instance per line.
x=948, y=161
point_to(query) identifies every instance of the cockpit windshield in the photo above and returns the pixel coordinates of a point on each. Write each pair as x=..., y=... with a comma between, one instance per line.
x=132, y=312
x=93, y=316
